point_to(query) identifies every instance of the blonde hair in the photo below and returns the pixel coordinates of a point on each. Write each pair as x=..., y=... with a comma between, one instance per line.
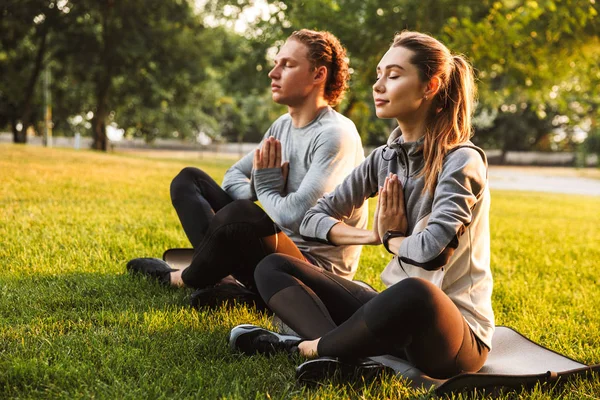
x=448, y=123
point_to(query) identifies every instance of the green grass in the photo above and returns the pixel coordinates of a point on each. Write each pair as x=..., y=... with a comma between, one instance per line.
x=74, y=325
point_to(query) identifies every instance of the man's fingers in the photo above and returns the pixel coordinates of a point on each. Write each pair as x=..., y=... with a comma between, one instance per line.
x=264, y=154
x=256, y=161
x=272, y=154
x=277, y=153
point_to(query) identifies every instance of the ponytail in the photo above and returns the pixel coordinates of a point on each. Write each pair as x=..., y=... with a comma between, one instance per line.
x=448, y=124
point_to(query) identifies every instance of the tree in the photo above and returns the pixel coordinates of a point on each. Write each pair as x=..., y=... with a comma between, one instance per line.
x=534, y=61
x=25, y=50
x=521, y=49
x=138, y=55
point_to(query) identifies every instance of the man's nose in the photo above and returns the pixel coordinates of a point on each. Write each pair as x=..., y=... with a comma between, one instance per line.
x=274, y=73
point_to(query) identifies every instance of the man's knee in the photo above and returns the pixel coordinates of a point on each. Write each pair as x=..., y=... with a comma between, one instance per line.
x=185, y=181
x=245, y=212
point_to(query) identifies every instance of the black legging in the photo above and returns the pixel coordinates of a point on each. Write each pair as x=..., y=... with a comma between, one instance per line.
x=412, y=319
x=229, y=236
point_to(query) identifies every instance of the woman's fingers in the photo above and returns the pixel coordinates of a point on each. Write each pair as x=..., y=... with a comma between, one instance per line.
x=392, y=193
x=396, y=193
x=400, y=197
x=383, y=196
x=390, y=206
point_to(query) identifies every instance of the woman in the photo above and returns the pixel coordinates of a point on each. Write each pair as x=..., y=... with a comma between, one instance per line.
x=432, y=215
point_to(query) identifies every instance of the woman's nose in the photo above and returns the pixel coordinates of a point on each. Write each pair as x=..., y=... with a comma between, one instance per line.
x=378, y=87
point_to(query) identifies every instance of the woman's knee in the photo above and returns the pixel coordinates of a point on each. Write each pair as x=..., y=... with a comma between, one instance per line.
x=271, y=264
x=273, y=273
x=418, y=288
x=409, y=295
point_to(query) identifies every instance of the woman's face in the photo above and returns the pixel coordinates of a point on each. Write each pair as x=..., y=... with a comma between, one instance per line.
x=398, y=92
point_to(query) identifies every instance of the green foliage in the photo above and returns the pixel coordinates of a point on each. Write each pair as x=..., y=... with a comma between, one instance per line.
x=543, y=56
x=26, y=29
x=537, y=56
x=176, y=68
x=73, y=324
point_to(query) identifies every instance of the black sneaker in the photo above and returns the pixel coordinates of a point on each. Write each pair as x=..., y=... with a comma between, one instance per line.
x=329, y=368
x=226, y=294
x=152, y=267
x=251, y=339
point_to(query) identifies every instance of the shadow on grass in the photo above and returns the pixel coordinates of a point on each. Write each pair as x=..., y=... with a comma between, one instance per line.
x=108, y=336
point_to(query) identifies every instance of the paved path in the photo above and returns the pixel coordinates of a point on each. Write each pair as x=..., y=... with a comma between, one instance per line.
x=538, y=180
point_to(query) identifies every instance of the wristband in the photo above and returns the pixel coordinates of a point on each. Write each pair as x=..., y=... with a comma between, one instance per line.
x=390, y=235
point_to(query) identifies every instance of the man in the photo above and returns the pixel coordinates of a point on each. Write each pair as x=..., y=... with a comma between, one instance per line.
x=304, y=154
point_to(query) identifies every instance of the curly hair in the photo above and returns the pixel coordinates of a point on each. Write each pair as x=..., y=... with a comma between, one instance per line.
x=324, y=49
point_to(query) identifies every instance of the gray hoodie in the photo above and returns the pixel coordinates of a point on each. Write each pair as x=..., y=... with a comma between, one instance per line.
x=448, y=233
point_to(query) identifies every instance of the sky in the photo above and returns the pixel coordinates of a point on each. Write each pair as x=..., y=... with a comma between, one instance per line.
x=259, y=10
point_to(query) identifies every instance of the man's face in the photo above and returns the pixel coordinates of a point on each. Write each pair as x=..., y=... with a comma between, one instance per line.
x=292, y=77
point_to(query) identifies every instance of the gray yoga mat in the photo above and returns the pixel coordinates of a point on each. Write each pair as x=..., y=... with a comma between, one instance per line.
x=515, y=362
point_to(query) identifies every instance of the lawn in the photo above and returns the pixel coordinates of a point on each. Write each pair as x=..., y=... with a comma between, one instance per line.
x=73, y=324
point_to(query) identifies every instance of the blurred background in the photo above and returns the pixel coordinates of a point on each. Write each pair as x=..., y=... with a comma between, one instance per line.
x=193, y=74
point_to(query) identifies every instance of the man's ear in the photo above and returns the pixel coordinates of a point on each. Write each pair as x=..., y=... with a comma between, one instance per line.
x=432, y=87
x=320, y=74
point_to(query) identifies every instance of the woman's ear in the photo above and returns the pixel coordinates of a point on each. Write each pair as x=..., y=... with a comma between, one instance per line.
x=432, y=87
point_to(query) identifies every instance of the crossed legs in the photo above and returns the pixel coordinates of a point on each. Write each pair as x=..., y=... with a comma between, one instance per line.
x=229, y=236
x=412, y=319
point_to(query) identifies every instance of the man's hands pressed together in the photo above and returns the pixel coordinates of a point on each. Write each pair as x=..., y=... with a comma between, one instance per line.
x=269, y=156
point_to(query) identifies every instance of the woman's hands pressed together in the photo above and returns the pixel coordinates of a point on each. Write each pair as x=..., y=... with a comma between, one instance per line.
x=390, y=213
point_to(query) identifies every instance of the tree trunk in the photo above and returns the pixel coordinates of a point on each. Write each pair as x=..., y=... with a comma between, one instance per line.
x=18, y=137
x=503, y=154
x=99, y=131
x=26, y=111
x=103, y=82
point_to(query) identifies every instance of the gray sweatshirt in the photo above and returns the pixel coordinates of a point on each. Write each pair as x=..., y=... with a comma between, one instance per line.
x=448, y=233
x=320, y=154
